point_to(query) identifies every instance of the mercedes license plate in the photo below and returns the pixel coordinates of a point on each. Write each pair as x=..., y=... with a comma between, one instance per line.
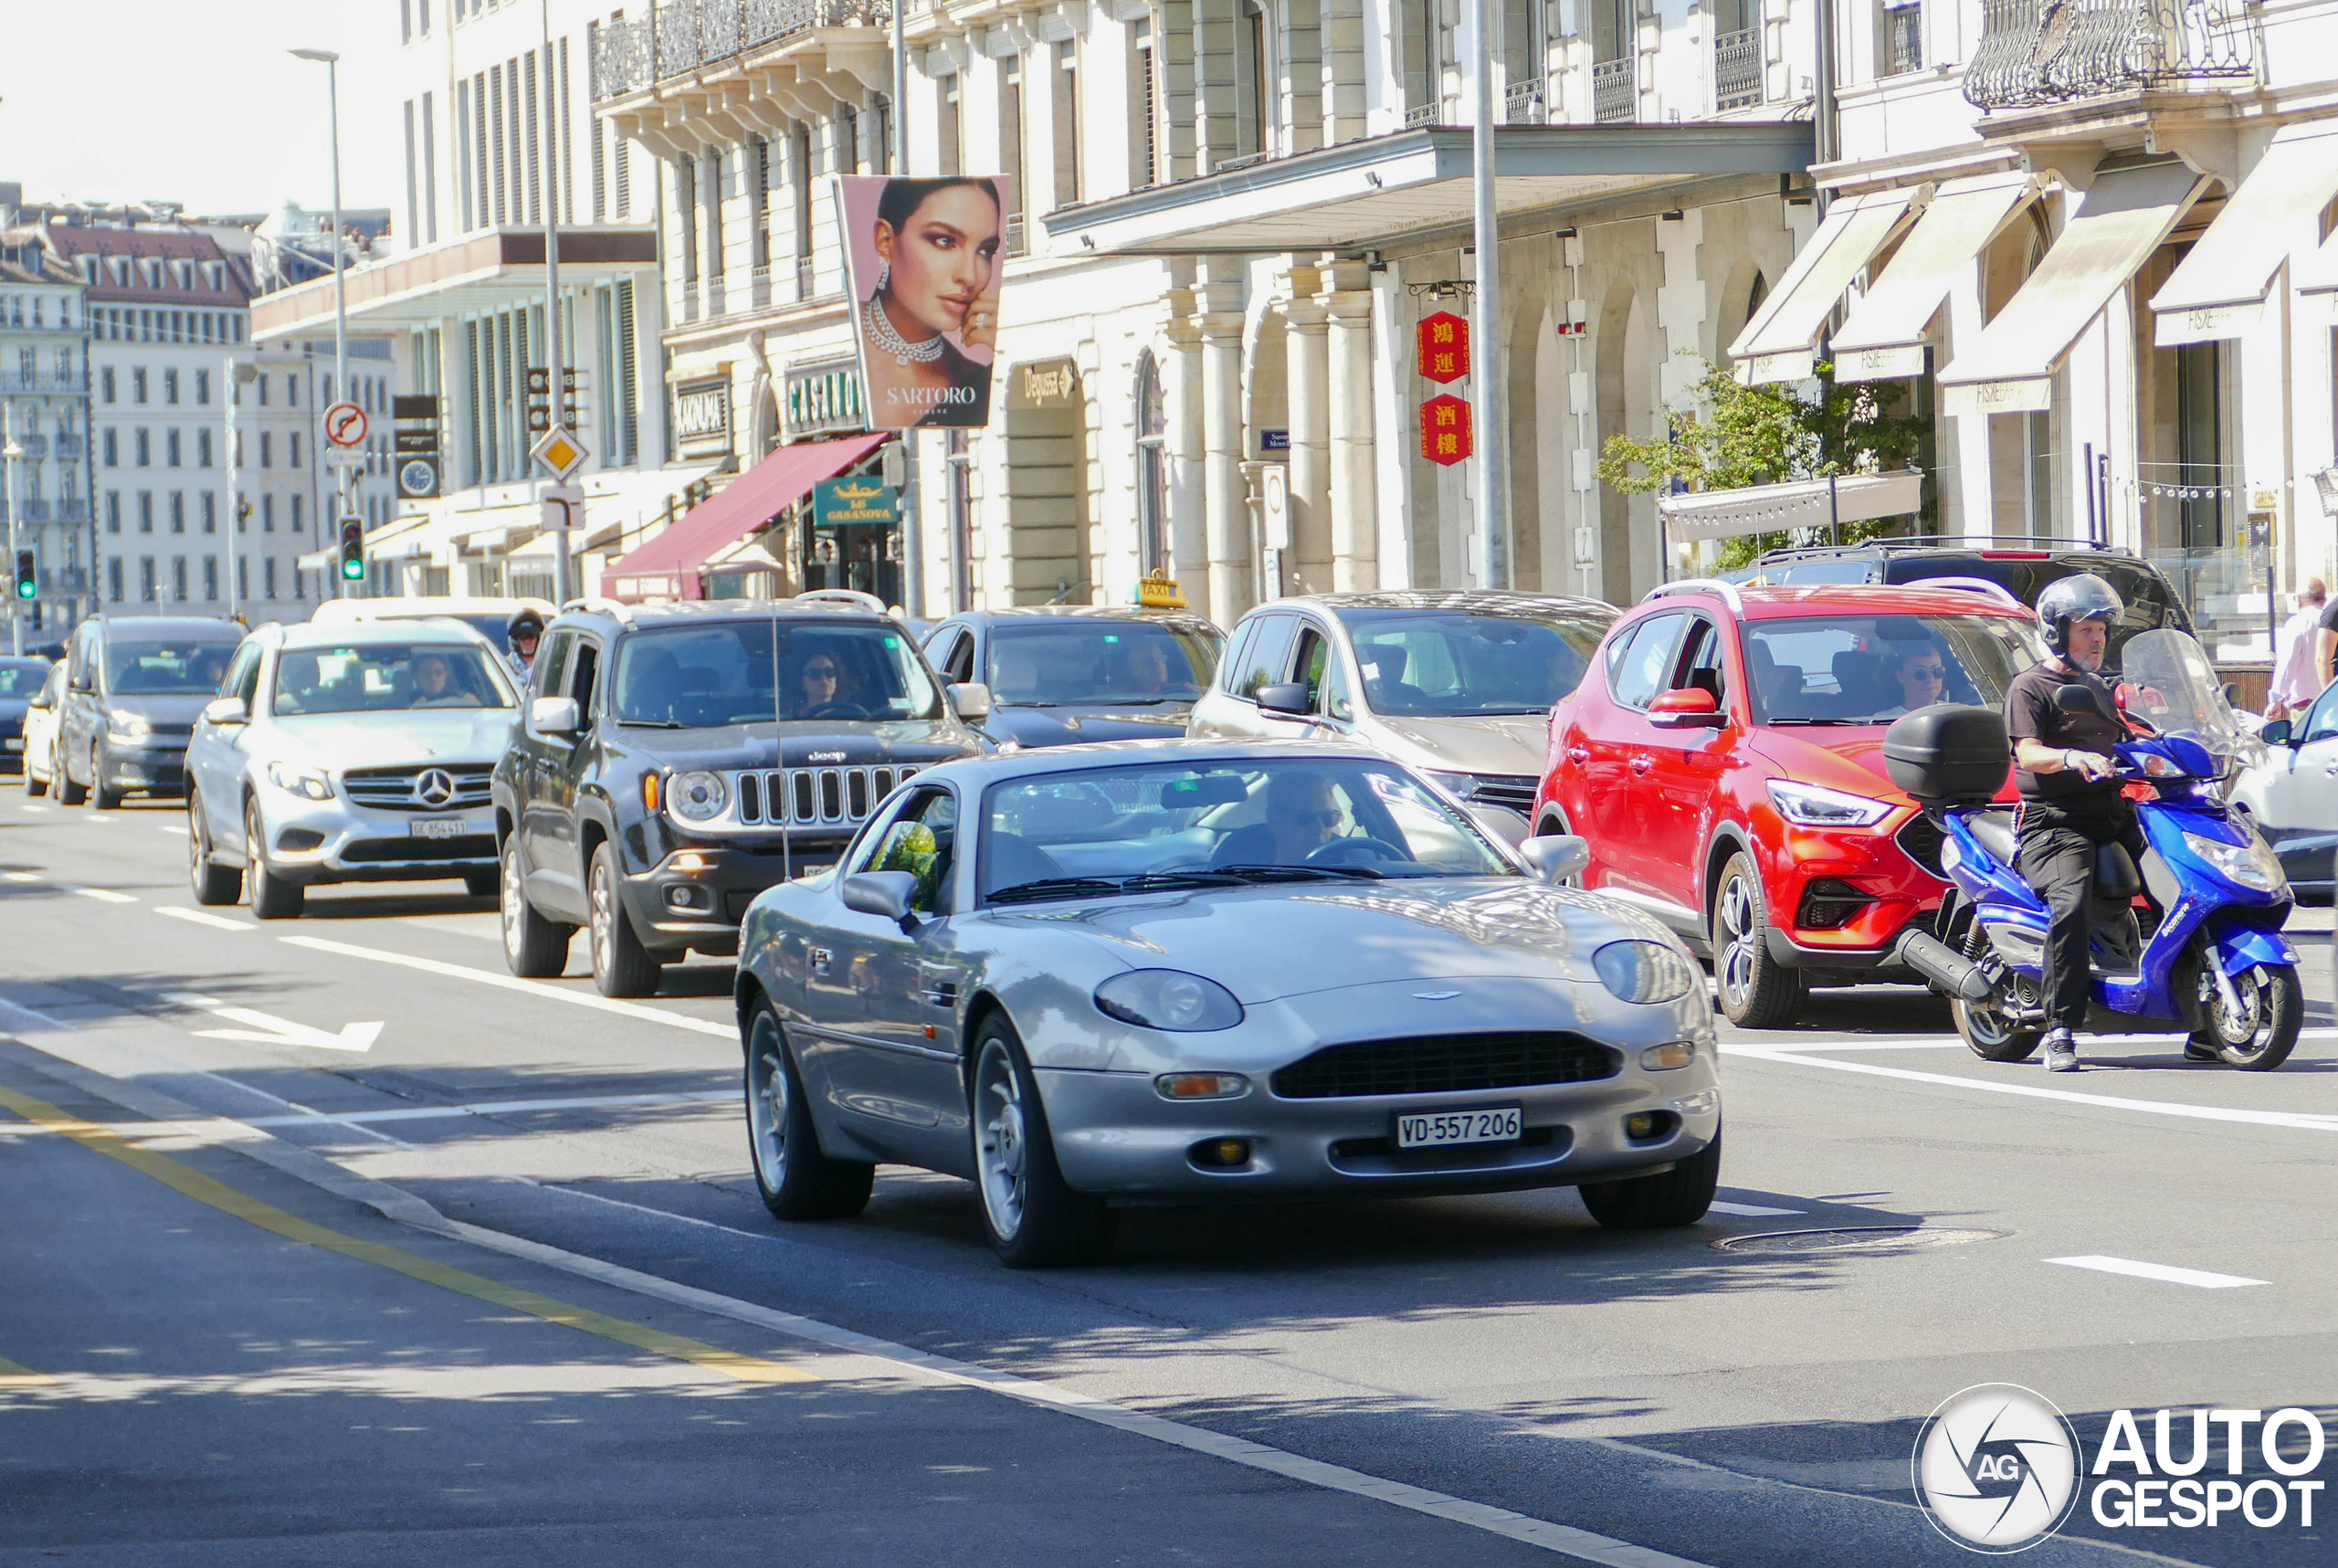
x=12, y=744
x=1493, y=1124
x=440, y=827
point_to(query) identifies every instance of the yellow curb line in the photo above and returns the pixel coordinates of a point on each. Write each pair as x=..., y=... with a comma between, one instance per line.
x=15, y=1376
x=203, y=1189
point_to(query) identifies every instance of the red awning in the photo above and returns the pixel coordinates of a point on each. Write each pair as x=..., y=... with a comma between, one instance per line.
x=667, y=566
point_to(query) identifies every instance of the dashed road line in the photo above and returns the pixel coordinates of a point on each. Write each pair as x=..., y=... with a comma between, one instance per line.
x=1751, y=1211
x=104, y=895
x=2166, y=1273
x=500, y=1107
x=176, y=828
x=513, y=982
x=202, y=918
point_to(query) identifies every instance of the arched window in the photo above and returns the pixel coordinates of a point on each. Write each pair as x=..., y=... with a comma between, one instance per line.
x=1152, y=467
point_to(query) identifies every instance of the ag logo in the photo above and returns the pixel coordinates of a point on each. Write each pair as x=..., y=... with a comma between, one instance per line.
x=1996, y=1469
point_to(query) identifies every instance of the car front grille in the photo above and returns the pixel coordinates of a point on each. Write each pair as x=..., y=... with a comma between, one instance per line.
x=469, y=846
x=1921, y=839
x=793, y=797
x=1446, y=1064
x=393, y=789
x=1515, y=791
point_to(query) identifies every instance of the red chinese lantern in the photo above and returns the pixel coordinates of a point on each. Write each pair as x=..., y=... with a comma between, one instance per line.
x=1445, y=347
x=1445, y=429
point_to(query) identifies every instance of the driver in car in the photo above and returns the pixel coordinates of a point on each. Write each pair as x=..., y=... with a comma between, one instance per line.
x=1303, y=815
x=819, y=682
x=433, y=682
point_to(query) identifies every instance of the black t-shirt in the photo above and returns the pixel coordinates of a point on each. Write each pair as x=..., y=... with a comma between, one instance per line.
x=2030, y=714
x=2328, y=623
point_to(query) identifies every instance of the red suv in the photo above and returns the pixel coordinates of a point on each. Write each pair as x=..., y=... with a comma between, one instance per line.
x=1726, y=761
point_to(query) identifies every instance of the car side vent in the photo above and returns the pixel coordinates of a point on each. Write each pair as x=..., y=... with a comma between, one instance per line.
x=1445, y=1064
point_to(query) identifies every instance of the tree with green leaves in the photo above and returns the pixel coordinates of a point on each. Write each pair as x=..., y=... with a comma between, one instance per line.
x=1766, y=434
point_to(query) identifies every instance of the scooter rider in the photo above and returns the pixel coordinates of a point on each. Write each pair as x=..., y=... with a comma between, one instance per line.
x=522, y=632
x=2070, y=802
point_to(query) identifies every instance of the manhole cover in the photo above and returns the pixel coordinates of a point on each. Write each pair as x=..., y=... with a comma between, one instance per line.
x=1859, y=1239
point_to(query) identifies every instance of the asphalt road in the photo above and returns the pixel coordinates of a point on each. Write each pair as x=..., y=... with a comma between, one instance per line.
x=183, y=1374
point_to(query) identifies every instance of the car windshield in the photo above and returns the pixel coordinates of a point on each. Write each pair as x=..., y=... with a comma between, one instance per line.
x=136, y=667
x=1870, y=669
x=749, y=672
x=1425, y=664
x=21, y=676
x=494, y=627
x=370, y=677
x=1039, y=663
x=1169, y=826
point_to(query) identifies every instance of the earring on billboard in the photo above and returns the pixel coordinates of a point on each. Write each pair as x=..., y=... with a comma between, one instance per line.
x=884, y=275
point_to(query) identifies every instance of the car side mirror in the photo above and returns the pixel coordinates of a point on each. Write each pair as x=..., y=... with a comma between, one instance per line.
x=227, y=711
x=555, y=715
x=2278, y=732
x=969, y=699
x=1685, y=708
x=1288, y=698
x=885, y=894
x=39, y=700
x=1555, y=857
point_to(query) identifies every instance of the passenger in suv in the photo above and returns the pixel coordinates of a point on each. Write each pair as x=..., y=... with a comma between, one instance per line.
x=1724, y=763
x=675, y=761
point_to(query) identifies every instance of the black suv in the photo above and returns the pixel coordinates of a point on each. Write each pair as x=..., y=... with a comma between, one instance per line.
x=676, y=760
x=2022, y=567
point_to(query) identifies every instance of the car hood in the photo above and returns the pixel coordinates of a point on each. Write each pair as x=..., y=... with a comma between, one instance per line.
x=1071, y=723
x=179, y=708
x=796, y=744
x=1509, y=744
x=1355, y=933
x=1850, y=760
x=346, y=740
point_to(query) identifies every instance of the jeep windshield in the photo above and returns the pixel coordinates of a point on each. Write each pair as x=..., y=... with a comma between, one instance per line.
x=752, y=672
x=1870, y=669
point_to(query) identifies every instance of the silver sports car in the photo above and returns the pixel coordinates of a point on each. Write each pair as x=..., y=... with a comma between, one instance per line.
x=1186, y=972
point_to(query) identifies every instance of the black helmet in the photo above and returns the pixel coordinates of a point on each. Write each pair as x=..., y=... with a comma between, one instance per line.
x=525, y=623
x=2081, y=597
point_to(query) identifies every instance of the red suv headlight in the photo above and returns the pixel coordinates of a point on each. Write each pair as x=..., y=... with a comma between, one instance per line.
x=1810, y=806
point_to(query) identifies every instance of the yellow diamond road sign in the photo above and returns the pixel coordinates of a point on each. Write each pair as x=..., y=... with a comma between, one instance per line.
x=560, y=453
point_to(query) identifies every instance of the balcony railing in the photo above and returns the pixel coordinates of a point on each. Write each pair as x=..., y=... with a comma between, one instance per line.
x=1737, y=68
x=803, y=279
x=1523, y=105
x=759, y=289
x=2049, y=51
x=33, y=446
x=690, y=35
x=1613, y=93
x=45, y=381
x=1421, y=114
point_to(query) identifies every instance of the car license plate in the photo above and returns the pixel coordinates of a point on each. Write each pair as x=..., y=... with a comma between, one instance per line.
x=1496, y=1124
x=12, y=744
x=440, y=827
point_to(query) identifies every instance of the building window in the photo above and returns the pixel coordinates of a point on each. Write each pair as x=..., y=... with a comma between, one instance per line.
x=430, y=171
x=881, y=156
x=145, y=448
x=267, y=448
x=113, y=515
x=171, y=447
x=1144, y=104
x=211, y=577
x=952, y=123
x=1152, y=469
x=1902, y=37
x=203, y=384
x=146, y=578
x=210, y=513
x=145, y=511
x=113, y=579
x=178, y=511
x=267, y=514
x=138, y=384
x=1614, y=94
x=1254, y=125
x=113, y=447
x=267, y=575
x=243, y=576
x=295, y=514
x=713, y=194
x=686, y=212
x=105, y=383
x=761, y=238
x=1010, y=147
x=170, y=385
x=203, y=448
x=293, y=440
x=1065, y=108
x=178, y=578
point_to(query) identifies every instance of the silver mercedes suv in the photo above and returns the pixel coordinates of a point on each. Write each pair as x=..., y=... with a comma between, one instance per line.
x=347, y=754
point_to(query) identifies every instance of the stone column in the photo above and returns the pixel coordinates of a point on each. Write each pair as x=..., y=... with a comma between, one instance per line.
x=1181, y=393
x=1225, y=504
x=1356, y=524
x=1308, y=393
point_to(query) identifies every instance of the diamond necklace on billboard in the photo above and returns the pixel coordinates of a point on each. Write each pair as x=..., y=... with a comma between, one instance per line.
x=921, y=260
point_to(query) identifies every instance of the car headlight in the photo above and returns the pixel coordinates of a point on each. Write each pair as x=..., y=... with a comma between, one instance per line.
x=1810, y=805
x=1460, y=787
x=308, y=783
x=129, y=728
x=1168, y=999
x=2252, y=865
x=1643, y=971
x=697, y=797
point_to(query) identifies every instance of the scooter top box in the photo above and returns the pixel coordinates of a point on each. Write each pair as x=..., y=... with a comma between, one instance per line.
x=1948, y=751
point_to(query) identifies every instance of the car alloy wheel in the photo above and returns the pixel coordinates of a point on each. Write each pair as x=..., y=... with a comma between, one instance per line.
x=534, y=947
x=1000, y=1154
x=1034, y=1219
x=212, y=883
x=1756, y=990
x=621, y=966
x=273, y=898
x=1740, y=931
x=794, y=1177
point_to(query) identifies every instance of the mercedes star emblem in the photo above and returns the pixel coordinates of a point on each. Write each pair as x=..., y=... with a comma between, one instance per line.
x=435, y=788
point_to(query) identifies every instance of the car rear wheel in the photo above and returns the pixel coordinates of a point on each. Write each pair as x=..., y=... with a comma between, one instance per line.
x=795, y=1179
x=534, y=947
x=1757, y=991
x=621, y=966
x=35, y=785
x=212, y=883
x=1675, y=1198
x=1032, y=1218
x=273, y=897
x=103, y=798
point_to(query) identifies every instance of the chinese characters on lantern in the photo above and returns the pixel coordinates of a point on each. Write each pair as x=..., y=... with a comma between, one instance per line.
x=1444, y=359
x=1445, y=429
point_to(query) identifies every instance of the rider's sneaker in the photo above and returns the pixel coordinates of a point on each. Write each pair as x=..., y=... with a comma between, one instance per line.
x=2061, y=1054
x=2193, y=1052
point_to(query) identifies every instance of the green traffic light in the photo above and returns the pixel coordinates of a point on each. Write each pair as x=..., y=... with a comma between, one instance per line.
x=27, y=589
x=352, y=570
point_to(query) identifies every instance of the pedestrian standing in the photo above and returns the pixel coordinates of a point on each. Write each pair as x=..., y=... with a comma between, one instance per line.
x=2300, y=668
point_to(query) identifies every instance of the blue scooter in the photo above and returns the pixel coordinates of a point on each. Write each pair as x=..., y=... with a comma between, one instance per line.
x=2213, y=963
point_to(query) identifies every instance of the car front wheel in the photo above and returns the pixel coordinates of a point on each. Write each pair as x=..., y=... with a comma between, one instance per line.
x=1671, y=1198
x=1034, y=1219
x=273, y=897
x=212, y=882
x=621, y=966
x=1757, y=991
x=102, y=796
x=534, y=947
x=795, y=1179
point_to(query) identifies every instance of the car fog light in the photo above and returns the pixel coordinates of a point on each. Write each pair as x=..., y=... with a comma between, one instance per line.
x=1641, y=1126
x=685, y=898
x=689, y=860
x=1201, y=1085
x=1221, y=1153
x=1678, y=1054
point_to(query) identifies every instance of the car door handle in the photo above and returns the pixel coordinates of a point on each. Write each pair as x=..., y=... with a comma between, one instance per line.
x=1641, y=764
x=1578, y=755
x=938, y=990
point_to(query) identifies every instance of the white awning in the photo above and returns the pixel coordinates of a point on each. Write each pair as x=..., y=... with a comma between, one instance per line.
x=2218, y=290
x=1884, y=335
x=1777, y=343
x=1796, y=503
x=2009, y=368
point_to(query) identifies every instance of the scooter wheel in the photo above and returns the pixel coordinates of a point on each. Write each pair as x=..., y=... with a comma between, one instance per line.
x=1991, y=1036
x=2261, y=1035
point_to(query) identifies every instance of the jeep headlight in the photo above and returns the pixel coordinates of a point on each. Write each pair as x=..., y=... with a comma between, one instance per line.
x=308, y=783
x=129, y=729
x=697, y=797
x=2251, y=865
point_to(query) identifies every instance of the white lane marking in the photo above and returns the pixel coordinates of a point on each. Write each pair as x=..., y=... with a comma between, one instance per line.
x=28, y=805
x=2161, y=1272
x=513, y=982
x=268, y=1029
x=1751, y=1211
x=22, y=875
x=100, y=818
x=104, y=895
x=2312, y=1122
x=494, y=1106
x=201, y=918
x=178, y=828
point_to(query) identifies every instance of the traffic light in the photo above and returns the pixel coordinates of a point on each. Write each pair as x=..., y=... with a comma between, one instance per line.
x=352, y=550
x=28, y=576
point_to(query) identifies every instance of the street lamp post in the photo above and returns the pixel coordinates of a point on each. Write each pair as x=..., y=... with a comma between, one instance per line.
x=912, y=526
x=9, y=453
x=341, y=475
x=1487, y=358
x=563, y=568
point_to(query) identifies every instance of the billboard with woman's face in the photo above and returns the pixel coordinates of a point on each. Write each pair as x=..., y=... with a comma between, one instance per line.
x=922, y=259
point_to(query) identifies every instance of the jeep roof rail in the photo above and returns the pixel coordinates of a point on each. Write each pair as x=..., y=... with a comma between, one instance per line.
x=1967, y=585
x=596, y=604
x=847, y=598
x=1727, y=591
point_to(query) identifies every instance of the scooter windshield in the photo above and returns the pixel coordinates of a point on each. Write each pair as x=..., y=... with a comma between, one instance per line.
x=2166, y=680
